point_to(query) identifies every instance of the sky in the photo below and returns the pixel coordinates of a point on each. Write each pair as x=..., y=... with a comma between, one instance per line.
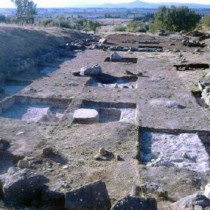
x=71, y=3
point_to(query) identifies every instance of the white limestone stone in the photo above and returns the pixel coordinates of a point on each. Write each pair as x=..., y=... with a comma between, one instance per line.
x=86, y=116
x=207, y=191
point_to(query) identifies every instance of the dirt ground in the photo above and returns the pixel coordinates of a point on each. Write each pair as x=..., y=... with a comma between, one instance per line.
x=162, y=100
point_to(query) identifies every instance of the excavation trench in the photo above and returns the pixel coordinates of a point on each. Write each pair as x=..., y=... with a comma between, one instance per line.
x=187, y=150
x=123, y=60
x=33, y=109
x=102, y=112
x=108, y=81
x=191, y=66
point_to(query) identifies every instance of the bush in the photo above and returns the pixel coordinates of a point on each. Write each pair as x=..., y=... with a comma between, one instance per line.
x=46, y=23
x=3, y=19
x=136, y=26
x=175, y=19
x=58, y=22
x=66, y=22
x=120, y=28
x=206, y=21
x=87, y=25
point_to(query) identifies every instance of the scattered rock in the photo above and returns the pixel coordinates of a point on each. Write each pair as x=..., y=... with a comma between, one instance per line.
x=102, y=41
x=186, y=201
x=19, y=133
x=161, y=32
x=196, y=207
x=52, y=197
x=48, y=152
x=22, y=187
x=191, y=200
x=201, y=35
x=4, y=145
x=207, y=191
x=154, y=188
x=135, y=203
x=204, y=84
x=12, y=170
x=91, y=196
x=118, y=158
x=102, y=151
x=135, y=190
x=192, y=43
x=23, y=164
x=98, y=157
x=115, y=56
x=76, y=73
x=197, y=50
x=139, y=74
x=201, y=200
x=174, y=104
x=176, y=50
x=65, y=167
x=94, y=70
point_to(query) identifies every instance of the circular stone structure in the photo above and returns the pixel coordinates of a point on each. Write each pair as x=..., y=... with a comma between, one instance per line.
x=86, y=116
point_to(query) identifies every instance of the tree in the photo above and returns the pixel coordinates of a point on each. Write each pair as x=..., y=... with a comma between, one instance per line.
x=175, y=19
x=26, y=10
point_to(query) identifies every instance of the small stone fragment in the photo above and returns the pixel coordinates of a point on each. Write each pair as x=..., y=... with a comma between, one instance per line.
x=65, y=167
x=136, y=203
x=197, y=207
x=102, y=151
x=207, y=191
x=48, y=152
x=76, y=73
x=118, y=158
x=97, y=157
x=23, y=164
x=115, y=56
x=135, y=190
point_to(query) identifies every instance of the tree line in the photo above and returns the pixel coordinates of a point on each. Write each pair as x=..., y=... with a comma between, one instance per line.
x=172, y=19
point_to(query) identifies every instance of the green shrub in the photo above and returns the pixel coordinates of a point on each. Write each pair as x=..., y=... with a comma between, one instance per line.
x=46, y=23
x=136, y=26
x=120, y=28
x=87, y=25
x=57, y=22
x=3, y=19
x=175, y=19
x=206, y=21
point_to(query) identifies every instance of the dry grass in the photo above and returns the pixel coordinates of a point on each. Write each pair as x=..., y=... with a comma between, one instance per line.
x=21, y=42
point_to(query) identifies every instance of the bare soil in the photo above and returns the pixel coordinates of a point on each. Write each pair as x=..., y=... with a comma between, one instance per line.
x=162, y=100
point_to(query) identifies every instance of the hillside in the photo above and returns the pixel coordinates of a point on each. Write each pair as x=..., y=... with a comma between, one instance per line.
x=142, y=4
x=28, y=44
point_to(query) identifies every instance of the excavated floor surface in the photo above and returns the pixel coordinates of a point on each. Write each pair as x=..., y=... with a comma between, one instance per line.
x=161, y=105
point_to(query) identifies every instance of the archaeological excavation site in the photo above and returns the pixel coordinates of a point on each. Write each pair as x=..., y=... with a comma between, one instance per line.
x=120, y=122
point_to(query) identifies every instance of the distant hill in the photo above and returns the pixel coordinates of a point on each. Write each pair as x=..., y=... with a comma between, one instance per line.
x=134, y=4
x=141, y=4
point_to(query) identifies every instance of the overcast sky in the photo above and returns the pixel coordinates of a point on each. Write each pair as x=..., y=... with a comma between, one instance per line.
x=70, y=3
